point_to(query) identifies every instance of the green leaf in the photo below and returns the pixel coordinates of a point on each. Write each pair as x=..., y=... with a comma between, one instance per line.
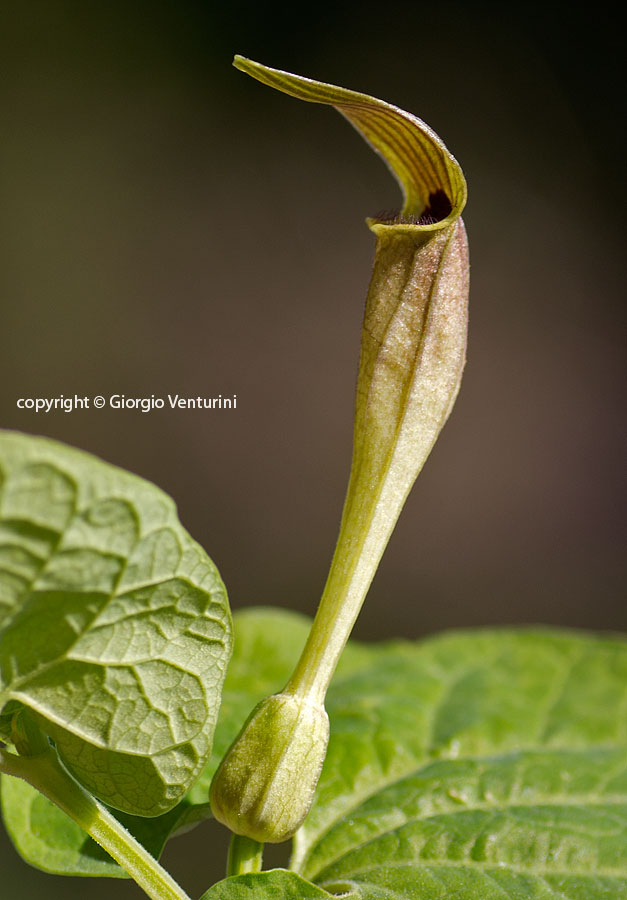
x=478, y=765
x=48, y=839
x=56, y=844
x=114, y=624
x=278, y=884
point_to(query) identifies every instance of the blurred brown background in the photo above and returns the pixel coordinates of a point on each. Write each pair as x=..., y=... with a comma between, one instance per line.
x=168, y=225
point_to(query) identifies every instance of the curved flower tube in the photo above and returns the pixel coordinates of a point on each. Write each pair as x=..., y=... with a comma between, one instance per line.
x=412, y=356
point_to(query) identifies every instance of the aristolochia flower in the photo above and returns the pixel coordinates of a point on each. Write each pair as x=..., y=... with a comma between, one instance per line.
x=412, y=355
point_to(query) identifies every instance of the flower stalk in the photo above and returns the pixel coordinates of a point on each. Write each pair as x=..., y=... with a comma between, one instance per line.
x=37, y=763
x=412, y=355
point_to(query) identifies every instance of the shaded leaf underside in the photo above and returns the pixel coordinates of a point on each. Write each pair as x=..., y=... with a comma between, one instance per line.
x=114, y=625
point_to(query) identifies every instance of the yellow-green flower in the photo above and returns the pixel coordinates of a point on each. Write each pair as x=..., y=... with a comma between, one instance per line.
x=413, y=350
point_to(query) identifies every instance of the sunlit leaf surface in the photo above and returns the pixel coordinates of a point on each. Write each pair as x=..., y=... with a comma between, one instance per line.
x=474, y=765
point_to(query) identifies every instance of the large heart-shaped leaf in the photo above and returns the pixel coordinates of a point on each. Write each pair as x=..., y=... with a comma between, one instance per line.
x=114, y=624
x=474, y=766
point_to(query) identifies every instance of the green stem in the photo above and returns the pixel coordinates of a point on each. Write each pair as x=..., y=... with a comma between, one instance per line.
x=245, y=855
x=364, y=534
x=45, y=773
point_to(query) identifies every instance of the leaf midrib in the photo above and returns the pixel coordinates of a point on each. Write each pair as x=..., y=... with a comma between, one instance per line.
x=17, y=683
x=67, y=725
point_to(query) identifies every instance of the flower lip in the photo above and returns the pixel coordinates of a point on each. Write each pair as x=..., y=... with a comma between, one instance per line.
x=416, y=156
